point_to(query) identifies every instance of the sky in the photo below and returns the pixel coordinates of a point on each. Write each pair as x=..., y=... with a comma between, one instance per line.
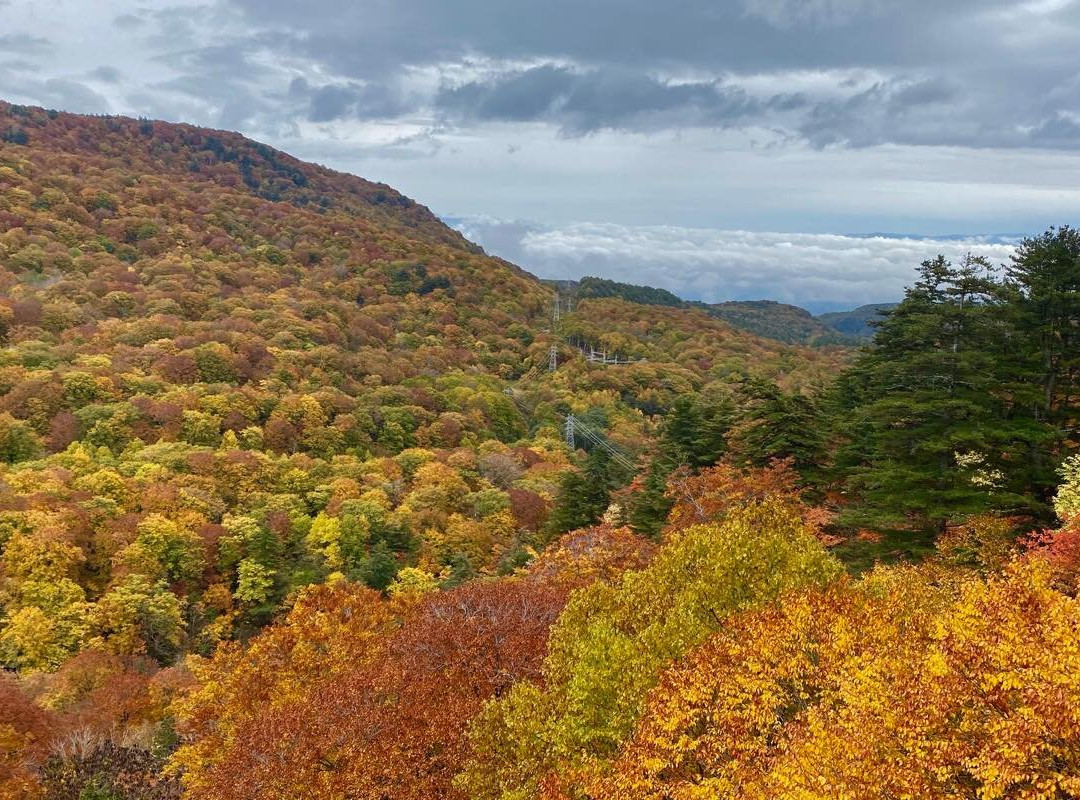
x=810, y=151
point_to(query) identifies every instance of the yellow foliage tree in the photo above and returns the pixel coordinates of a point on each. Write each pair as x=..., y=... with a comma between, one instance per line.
x=890, y=688
x=611, y=643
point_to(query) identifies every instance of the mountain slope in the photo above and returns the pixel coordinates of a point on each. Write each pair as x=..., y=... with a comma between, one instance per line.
x=226, y=374
x=763, y=318
x=857, y=322
x=200, y=156
x=161, y=213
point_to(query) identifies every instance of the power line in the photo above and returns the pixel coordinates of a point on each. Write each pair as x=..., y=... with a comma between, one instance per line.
x=573, y=425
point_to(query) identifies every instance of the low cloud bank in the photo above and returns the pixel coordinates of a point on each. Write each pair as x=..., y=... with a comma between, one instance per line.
x=814, y=270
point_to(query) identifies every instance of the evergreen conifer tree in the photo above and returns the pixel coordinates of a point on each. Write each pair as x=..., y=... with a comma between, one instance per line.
x=931, y=436
x=584, y=495
x=778, y=425
x=696, y=428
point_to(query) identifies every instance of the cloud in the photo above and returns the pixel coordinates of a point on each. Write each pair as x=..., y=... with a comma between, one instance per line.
x=813, y=115
x=351, y=100
x=106, y=73
x=1060, y=130
x=70, y=94
x=23, y=43
x=967, y=73
x=817, y=271
x=582, y=102
x=129, y=21
x=792, y=13
x=19, y=82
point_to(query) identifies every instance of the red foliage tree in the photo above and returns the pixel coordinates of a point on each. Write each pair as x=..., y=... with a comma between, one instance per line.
x=393, y=725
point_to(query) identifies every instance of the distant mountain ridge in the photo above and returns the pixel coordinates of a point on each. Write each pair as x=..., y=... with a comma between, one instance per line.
x=859, y=321
x=767, y=318
x=780, y=321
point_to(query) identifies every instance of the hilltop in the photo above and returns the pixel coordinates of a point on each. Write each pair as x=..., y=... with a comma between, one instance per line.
x=859, y=321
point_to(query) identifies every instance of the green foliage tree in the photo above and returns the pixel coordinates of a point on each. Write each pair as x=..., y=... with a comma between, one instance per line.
x=138, y=616
x=648, y=505
x=380, y=568
x=776, y=425
x=931, y=437
x=585, y=495
x=18, y=440
x=696, y=428
x=1045, y=272
x=1041, y=370
x=164, y=550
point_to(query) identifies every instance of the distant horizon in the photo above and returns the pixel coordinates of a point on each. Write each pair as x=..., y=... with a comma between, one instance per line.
x=552, y=254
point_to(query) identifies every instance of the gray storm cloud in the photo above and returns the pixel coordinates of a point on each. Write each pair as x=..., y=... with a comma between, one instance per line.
x=976, y=73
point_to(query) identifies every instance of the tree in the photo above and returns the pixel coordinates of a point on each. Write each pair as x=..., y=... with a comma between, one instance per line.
x=581, y=557
x=25, y=733
x=930, y=433
x=585, y=495
x=46, y=615
x=892, y=688
x=648, y=504
x=137, y=616
x=1067, y=497
x=18, y=441
x=1046, y=273
x=695, y=430
x=254, y=583
x=163, y=549
x=613, y=640
x=775, y=425
x=381, y=704
x=329, y=630
x=712, y=494
x=380, y=568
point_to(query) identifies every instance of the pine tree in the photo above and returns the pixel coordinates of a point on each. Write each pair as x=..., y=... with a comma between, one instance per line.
x=1042, y=369
x=696, y=428
x=585, y=495
x=1046, y=273
x=931, y=436
x=648, y=507
x=776, y=425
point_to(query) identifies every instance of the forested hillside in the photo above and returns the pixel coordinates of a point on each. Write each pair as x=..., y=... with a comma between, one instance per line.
x=298, y=485
x=764, y=318
x=783, y=322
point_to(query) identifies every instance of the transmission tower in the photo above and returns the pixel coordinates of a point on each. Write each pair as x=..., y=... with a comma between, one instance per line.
x=570, y=431
x=555, y=316
x=553, y=358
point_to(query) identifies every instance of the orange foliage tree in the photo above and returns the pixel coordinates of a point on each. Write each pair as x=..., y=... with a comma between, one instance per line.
x=714, y=492
x=892, y=688
x=25, y=732
x=371, y=716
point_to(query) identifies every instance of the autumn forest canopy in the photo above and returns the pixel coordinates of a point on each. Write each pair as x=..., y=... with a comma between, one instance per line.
x=304, y=495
